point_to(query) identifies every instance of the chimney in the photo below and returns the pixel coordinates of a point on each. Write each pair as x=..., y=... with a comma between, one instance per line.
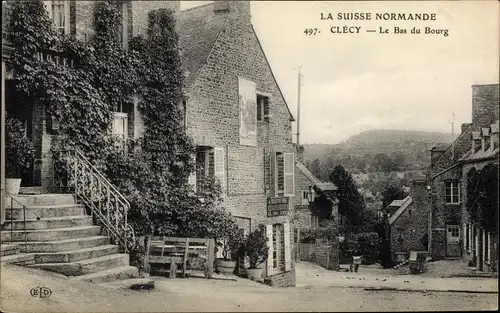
x=239, y=10
x=419, y=191
x=465, y=126
x=494, y=136
x=437, y=150
x=485, y=104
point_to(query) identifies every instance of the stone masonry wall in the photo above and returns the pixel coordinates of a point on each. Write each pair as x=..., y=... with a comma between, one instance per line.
x=485, y=104
x=301, y=215
x=286, y=279
x=413, y=224
x=213, y=113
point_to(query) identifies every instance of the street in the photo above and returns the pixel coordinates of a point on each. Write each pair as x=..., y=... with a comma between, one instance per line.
x=197, y=294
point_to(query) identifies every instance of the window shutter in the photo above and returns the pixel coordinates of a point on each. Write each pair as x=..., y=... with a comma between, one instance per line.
x=260, y=102
x=289, y=174
x=287, y=243
x=219, y=163
x=66, y=18
x=274, y=173
x=266, y=108
x=269, y=235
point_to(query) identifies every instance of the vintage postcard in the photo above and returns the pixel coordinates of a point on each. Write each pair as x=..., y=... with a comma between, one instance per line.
x=234, y=156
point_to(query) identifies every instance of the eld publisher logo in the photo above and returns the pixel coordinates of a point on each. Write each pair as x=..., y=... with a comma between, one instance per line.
x=40, y=292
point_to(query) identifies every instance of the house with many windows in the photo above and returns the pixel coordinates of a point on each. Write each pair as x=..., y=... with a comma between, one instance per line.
x=240, y=124
x=451, y=232
x=234, y=112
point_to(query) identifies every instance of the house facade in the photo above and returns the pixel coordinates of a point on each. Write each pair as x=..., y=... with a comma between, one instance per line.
x=234, y=112
x=240, y=124
x=451, y=233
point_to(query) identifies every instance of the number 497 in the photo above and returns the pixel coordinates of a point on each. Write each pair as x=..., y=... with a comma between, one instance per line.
x=311, y=31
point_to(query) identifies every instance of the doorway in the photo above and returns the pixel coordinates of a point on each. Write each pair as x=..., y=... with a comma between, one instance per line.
x=453, y=240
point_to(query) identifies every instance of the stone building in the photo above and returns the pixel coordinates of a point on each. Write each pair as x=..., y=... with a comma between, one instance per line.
x=308, y=187
x=450, y=232
x=409, y=221
x=234, y=111
x=240, y=123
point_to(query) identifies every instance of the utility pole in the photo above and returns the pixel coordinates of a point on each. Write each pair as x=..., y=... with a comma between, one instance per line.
x=453, y=137
x=298, y=109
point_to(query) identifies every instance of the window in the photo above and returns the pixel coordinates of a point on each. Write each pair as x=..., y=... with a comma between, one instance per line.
x=304, y=200
x=210, y=163
x=262, y=107
x=314, y=221
x=284, y=172
x=452, y=192
x=120, y=130
x=279, y=255
x=59, y=13
x=453, y=231
x=244, y=224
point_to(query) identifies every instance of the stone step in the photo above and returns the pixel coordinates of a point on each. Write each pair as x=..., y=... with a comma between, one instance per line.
x=7, y=249
x=121, y=272
x=19, y=259
x=50, y=234
x=50, y=222
x=66, y=244
x=43, y=199
x=76, y=255
x=45, y=211
x=88, y=266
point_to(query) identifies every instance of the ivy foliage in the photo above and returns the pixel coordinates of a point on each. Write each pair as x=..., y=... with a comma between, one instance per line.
x=107, y=78
x=482, y=196
x=20, y=152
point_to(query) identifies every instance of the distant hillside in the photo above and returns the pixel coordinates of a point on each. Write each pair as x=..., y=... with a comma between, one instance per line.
x=369, y=150
x=396, y=136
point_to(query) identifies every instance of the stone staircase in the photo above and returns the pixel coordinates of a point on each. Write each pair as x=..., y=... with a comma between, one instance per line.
x=60, y=237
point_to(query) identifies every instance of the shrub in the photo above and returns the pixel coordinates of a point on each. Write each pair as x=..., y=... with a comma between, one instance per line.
x=20, y=152
x=256, y=246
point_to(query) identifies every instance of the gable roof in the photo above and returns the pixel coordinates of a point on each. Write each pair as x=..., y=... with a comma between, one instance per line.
x=198, y=30
x=407, y=201
x=313, y=179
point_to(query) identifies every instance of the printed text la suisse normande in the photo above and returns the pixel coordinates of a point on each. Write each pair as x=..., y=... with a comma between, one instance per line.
x=381, y=16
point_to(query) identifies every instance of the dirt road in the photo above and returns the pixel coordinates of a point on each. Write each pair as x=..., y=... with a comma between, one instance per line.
x=210, y=295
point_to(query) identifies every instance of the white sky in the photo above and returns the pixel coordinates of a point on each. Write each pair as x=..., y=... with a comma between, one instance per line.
x=369, y=81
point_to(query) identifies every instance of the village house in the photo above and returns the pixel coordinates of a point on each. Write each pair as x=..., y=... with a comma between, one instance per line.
x=408, y=220
x=451, y=233
x=240, y=123
x=234, y=112
x=308, y=190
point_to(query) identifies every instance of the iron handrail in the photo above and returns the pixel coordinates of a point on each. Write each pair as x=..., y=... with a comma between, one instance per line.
x=104, y=179
x=24, y=207
x=109, y=206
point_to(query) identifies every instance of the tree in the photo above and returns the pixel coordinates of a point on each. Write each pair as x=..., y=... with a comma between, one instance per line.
x=351, y=203
x=482, y=196
x=390, y=193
